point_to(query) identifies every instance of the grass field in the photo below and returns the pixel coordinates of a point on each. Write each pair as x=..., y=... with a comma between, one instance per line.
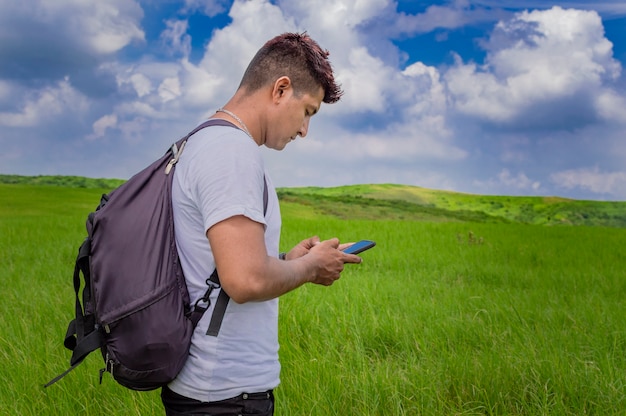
x=442, y=318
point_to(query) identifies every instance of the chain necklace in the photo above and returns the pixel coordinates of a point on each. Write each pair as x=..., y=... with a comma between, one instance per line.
x=241, y=123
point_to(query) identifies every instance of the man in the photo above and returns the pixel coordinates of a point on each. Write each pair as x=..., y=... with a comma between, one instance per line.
x=227, y=217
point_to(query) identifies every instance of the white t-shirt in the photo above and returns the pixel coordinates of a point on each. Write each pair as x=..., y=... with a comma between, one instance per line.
x=219, y=175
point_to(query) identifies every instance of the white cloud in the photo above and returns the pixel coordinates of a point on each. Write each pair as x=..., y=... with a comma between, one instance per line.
x=176, y=38
x=45, y=104
x=232, y=47
x=104, y=27
x=425, y=139
x=133, y=130
x=140, y=108
x=142, y=77
x=519, y=181
x=539, y=57
x=334, y=15
x=199, y=87
x=364, y=82
x=169, y=89
x=611, y=106
x=206, y=85
x=427, y=94
x=593, y=179
x=102, y=124
x=611, y=8
x=508, y=184
x=336, y=24
x=141, y=83
x=209, y=7
x=451, y=16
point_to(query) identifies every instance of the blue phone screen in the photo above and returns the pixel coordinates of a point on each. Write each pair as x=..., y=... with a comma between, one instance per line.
x=359, y=247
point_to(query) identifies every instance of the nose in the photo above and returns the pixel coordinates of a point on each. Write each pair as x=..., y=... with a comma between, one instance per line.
x=305, y=128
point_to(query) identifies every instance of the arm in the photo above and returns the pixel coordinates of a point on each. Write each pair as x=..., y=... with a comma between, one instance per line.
x=247, y=273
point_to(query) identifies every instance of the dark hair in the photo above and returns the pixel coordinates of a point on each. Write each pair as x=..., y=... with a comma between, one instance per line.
x=300, y=58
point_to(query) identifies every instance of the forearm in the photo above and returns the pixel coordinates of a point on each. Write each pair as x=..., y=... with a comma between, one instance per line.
x=273, y=279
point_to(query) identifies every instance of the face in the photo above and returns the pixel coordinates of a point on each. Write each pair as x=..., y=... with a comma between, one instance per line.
x=291, y=117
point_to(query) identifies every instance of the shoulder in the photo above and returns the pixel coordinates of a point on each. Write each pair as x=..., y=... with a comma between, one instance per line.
x=221, y=155
x=220, y=147
x=222, y=137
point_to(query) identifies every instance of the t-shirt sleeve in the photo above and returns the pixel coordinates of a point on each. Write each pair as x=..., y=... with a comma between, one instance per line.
x=227, y=178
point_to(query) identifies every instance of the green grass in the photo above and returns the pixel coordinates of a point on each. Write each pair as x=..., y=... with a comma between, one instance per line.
x=448, y=317
x=434, y=322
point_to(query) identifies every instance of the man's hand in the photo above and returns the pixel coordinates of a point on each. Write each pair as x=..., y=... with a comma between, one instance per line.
x=329, y=261
x=302, y=248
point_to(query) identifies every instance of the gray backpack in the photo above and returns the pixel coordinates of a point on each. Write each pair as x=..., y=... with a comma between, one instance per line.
x=135, y=306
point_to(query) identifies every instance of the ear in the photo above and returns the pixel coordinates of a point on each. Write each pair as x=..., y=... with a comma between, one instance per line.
x=282, y=88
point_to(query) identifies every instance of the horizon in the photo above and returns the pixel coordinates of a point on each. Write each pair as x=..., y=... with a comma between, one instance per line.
x=278, y=188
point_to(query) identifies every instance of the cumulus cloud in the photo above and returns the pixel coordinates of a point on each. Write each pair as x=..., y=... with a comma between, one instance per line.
x=41, y=39
x=208, y=7
x=169, y=89
x=611, y=106
x=519, y=181
x=510, y=184
x=364, y=81
x=45, y=105
x=176, y=38
x=542, y=68
x=232, y=47
x=454, y=15
x=105, y=28
x=612, y=184
x=165, y=90
x=102, y=124
x=444, y=17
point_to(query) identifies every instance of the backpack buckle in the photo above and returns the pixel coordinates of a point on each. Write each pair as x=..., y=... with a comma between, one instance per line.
x=176, y=152
x=206, y=298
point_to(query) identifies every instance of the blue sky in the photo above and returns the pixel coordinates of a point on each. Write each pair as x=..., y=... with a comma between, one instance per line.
x=511, y=97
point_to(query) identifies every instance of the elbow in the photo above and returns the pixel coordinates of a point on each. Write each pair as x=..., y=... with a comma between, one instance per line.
x=249, y=291
x=241, y=297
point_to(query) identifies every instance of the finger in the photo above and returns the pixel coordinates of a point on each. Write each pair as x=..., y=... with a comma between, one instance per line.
x=344, y=246
x=333, y=242
x=307, y=244
x=352, y=258
x=311, y=242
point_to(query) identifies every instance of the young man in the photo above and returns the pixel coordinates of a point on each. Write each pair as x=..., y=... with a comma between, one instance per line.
x=227, y=217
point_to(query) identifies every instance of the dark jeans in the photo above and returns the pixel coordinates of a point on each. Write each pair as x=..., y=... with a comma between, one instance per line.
x=245, y=404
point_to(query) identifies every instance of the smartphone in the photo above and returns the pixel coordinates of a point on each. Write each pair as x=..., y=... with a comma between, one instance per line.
x=359, y=247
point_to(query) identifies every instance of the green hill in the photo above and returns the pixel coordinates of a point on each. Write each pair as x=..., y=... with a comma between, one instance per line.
x=66, y=181
x=415, y=203
x=402, y=202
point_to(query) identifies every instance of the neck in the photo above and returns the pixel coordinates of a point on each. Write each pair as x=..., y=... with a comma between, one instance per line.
x=238, y=121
